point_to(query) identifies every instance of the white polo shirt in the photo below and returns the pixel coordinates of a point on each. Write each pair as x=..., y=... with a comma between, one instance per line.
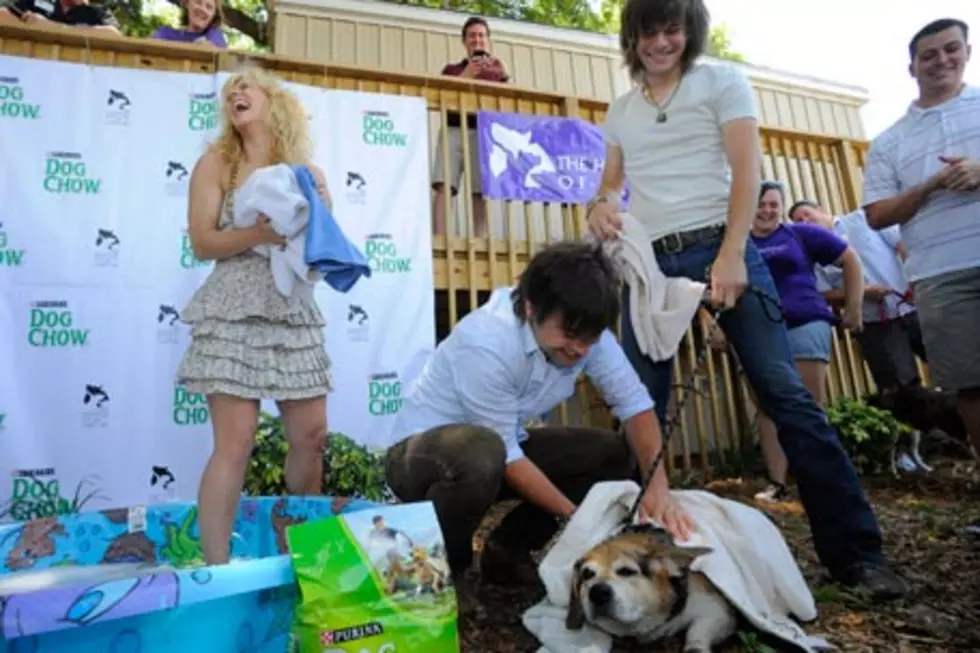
x=944, y=236
x=678, y=171
x=878, y=251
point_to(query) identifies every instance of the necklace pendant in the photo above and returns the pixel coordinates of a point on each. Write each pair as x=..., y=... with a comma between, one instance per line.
x=661, y=117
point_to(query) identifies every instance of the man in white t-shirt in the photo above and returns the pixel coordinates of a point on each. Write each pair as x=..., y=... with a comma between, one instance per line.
x=923, y=173
x=891, y=337
x=687, y=138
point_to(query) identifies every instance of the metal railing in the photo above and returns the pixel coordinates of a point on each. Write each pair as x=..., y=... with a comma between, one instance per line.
x=715, y=427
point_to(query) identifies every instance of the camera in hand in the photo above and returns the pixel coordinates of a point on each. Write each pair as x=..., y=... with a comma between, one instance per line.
x=480, y=54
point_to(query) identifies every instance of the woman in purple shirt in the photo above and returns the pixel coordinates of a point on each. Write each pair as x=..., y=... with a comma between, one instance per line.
x=791, y=251
x=200, y=23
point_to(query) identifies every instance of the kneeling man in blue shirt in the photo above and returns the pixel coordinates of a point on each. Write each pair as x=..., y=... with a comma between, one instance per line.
x=463, y=443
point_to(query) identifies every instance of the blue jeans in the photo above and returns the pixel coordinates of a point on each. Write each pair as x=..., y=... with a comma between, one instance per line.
x=845, y=531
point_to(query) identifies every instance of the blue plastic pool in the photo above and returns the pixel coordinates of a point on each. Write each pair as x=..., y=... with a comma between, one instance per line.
x=246, y=606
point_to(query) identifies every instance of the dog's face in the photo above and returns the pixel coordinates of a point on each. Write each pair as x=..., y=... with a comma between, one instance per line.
x=419, y=554
x=627, y=583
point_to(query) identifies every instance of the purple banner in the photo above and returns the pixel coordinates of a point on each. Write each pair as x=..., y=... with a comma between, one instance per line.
x=539, y=159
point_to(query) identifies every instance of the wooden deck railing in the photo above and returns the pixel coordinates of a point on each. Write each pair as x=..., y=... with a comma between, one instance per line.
x=715, y=425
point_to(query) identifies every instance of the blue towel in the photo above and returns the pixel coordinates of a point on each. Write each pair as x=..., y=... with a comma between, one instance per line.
x=327, y=249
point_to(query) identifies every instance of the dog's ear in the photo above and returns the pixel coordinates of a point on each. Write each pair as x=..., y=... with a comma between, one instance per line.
x=680, y=558
x=575, y=618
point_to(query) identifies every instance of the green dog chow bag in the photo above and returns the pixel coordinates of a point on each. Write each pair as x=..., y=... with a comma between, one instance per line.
x=374, y=581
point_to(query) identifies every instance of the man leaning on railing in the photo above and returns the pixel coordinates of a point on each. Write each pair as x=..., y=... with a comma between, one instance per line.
x=479, y=64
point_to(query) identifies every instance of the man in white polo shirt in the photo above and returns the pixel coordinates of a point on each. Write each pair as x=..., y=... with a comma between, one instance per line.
x=687, y=138
x=923, y=173
x=891, y=337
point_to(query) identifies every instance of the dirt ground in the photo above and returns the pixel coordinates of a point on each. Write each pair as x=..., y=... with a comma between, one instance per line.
x=921, y=518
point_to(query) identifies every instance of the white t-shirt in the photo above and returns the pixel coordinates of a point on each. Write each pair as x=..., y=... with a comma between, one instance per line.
x=878, y=251
x=677, y=170
x=944, y=235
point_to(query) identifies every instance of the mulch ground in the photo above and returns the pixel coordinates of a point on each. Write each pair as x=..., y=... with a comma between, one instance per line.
x=922, y=520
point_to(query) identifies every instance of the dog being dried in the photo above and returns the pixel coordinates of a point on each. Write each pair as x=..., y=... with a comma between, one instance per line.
x=635, y=585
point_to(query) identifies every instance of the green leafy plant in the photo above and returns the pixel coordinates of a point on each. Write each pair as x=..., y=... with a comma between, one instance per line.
x=868, y=434
x=349, y=469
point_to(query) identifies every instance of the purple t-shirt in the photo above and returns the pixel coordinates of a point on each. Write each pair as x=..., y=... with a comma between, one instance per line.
x=167, y=33
x=791, y=252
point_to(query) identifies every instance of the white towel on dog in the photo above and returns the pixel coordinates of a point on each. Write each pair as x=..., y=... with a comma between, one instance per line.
x=750, y=564
x=661, y=307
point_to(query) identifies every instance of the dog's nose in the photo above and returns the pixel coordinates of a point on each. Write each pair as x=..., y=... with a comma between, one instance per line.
x=600, y=594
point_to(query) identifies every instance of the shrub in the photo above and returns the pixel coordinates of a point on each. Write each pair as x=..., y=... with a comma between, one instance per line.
x=349, y=469
x=868, y=434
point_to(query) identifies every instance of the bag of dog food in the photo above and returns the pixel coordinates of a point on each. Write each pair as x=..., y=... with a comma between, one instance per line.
x=373, y=581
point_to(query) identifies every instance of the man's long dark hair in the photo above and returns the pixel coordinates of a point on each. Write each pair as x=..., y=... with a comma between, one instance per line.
x=642, y=17
x=575, y=280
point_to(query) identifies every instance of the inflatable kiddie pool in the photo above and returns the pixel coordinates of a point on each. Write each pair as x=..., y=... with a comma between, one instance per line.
x=131, y=580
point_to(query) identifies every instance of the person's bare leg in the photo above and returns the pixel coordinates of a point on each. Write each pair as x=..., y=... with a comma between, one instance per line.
x=305, y=422
x=234, y=421
x=776, y=464
x=814, y=375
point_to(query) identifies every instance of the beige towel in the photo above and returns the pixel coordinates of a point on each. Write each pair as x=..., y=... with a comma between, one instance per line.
x=750, y=564
x=661, y=307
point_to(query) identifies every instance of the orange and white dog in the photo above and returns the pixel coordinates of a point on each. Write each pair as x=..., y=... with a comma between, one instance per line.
x=637, y=584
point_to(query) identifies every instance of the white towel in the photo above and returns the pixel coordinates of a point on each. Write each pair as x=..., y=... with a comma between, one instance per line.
x=273, y=191
x=750, y=564
x=661, y=307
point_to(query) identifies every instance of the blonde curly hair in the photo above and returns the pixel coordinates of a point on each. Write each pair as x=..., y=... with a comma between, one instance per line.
x=285, y=116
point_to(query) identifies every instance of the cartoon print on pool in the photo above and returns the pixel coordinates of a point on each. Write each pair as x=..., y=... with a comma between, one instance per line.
x=34, y=541
x=65, y=607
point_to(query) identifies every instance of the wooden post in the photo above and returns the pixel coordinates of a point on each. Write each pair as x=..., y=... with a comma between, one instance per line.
x=570, y=109
x=851, y=176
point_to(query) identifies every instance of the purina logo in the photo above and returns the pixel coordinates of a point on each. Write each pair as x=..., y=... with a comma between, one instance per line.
x=117, y=107
x=66, y=173
x=380, y=130
x=14, y=104
x=168, y=319
x=52, y=324
x=358, y=323
x=356, y=187
x=384, y=394
x=176, y=175
x=106, y=248
x=187, y=259
x=190, y=408
x=96, y=406
x=354, y=633
x=202, y=111
x=382, y=255
x=10, y=257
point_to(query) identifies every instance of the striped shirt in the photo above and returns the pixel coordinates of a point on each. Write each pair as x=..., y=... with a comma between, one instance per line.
x=944, y=235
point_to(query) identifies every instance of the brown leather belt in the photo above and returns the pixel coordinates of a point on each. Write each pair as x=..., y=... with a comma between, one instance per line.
x=678, y=242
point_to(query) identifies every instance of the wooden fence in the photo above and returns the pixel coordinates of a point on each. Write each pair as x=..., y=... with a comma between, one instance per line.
x=714, y=428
